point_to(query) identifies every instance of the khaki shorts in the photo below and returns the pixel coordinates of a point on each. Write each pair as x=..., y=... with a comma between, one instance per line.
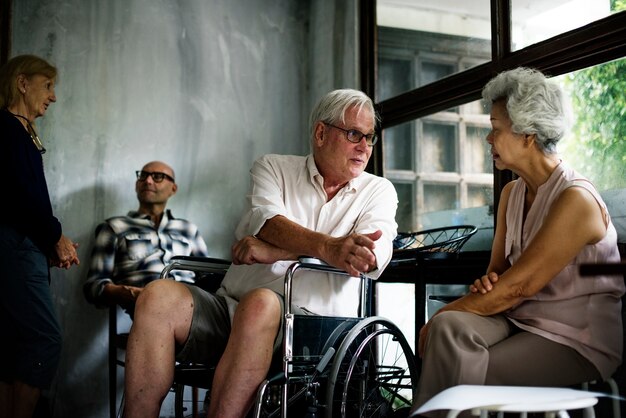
x=211, y=325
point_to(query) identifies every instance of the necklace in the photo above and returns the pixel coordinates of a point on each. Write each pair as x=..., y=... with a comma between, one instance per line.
x=32, y=133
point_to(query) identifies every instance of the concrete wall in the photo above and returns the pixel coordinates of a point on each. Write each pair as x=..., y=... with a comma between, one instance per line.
x=205, y=85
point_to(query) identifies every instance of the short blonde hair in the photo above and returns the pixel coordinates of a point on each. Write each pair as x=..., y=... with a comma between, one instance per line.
x=28, y=65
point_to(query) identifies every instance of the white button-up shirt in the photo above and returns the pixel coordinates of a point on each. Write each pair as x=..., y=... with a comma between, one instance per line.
x=292, y=186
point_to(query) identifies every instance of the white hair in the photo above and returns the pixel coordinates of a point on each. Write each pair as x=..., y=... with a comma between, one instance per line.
x=534, y=105
x=333, y=106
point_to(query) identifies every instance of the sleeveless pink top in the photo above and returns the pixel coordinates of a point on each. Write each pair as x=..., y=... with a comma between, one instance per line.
x=581, y=312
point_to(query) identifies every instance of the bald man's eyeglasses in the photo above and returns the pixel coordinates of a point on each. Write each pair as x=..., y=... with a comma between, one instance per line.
x=355, y=136
x=157, y=176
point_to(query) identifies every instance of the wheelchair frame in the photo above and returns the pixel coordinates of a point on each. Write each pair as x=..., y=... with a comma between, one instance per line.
x=349, y=355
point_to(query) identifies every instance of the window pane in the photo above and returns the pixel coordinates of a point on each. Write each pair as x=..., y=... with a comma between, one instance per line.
x=404, y=214
x=477, y=156
x=479, y=195
x=398, y=147
x=421, y=42
x=433, y=71
x=438, y=148
x=394, y=76
x=537, y=20
x=439, y=197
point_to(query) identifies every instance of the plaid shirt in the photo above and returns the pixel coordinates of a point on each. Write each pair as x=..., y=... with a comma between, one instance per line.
x=129, y=250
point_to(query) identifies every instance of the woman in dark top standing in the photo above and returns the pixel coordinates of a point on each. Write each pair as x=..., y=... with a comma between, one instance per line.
x=31, y=240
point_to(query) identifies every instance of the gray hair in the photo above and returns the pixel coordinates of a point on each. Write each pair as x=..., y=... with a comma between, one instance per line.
x=332, y=107
x=535, y=105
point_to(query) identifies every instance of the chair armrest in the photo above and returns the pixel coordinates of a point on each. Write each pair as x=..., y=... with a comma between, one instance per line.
x=196, y=264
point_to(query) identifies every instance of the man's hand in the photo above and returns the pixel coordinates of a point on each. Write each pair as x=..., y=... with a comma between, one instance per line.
x=123, y=295
x=485, y=283
x=353, y=253
x=64, y=253
x=252, y=250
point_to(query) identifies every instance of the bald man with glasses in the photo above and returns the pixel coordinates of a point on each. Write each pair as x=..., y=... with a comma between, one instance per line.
x=130, y=251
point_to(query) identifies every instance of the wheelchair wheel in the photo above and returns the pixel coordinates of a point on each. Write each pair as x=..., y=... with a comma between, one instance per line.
x=373, y=374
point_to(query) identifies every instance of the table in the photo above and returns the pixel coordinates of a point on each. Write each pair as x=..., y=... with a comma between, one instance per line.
x=435, y=268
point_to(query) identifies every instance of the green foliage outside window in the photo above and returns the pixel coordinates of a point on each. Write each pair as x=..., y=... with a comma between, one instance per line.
x=598, y=146
x=618, y=5
x=598, y=149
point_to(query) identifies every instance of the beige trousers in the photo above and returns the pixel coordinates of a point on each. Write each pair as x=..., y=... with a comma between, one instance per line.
x=465, y=348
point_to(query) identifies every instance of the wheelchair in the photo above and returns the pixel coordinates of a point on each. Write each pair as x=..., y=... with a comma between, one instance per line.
x=329, y=367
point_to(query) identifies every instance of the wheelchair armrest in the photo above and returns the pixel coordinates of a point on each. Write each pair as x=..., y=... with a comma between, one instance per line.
x=316, y=264
x=196, y=264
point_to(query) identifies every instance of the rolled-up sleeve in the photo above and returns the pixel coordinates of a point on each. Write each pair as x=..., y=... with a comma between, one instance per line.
x=265, y=198
x=102, y=264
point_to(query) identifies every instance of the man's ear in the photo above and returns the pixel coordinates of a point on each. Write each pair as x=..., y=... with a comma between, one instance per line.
x=319, y=133
x=174, y=189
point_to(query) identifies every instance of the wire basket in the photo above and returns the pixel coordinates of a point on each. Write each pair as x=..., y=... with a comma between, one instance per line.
x=449, y=239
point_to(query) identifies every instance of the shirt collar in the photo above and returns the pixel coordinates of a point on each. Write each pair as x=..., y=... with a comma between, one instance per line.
x=166, y=216
x=317, y=178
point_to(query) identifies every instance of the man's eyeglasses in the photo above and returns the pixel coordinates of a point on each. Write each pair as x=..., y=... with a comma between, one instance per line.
x=157, y=176
x=355, y=136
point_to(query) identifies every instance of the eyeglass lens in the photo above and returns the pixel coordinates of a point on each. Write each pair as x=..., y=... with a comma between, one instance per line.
x=157, y=177
x=355, y=136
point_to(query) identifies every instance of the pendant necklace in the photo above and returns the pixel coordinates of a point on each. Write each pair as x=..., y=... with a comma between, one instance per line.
x=32, y=133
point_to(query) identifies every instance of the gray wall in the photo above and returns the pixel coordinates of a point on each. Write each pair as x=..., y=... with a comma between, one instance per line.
x=205, y=85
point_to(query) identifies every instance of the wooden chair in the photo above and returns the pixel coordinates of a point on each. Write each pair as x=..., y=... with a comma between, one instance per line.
x=117, y=343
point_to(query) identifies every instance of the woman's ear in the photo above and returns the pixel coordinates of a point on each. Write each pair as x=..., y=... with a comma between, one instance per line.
x=20, y=80
x=529, y=139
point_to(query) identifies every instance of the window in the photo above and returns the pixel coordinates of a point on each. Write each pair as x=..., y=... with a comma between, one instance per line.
x=442, y=163
x=420, y=42
x=433, y=59
x=534, y=21
x=597, y=145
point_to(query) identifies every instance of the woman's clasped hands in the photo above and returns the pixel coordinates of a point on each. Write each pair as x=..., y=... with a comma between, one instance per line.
x=64, y=253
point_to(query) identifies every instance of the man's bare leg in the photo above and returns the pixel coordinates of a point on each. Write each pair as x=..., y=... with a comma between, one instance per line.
x=248, y=354
x=163, y=316
x=18, y=400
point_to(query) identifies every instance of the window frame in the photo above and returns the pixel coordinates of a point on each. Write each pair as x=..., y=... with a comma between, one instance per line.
x=600, y=41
